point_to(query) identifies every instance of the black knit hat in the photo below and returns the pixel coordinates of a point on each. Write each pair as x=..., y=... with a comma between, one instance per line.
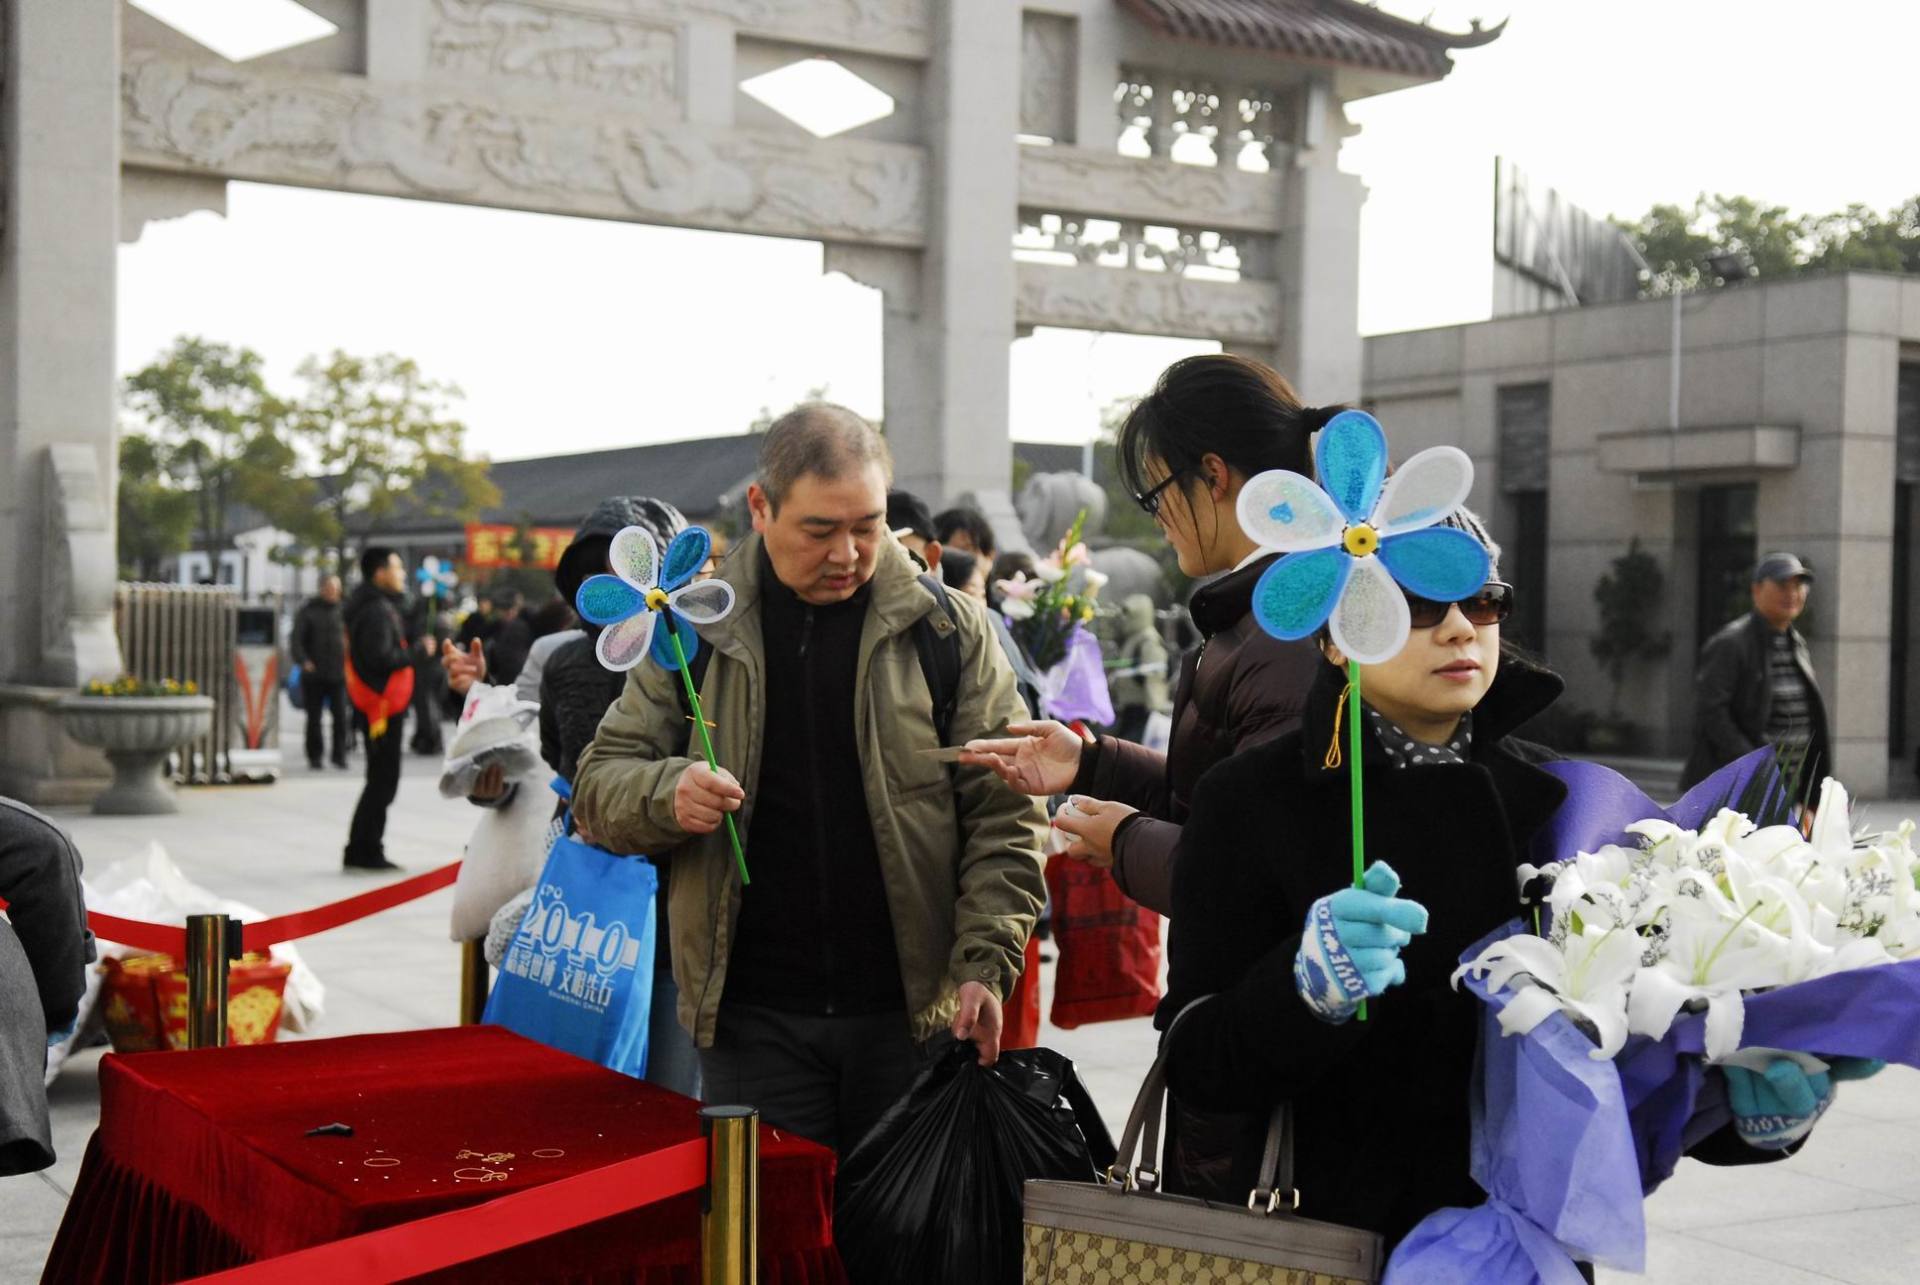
x=587, y=555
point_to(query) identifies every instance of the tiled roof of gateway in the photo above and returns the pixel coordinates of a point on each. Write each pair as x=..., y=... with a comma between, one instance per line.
x=1337, y=31
x=693, y=476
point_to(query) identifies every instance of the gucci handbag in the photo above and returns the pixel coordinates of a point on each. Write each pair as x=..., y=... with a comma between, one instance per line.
x=1123, y=1229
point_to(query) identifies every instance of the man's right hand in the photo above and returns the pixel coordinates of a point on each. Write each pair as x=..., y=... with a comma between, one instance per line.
x=464, y=669
x=1040, y=758
x=702, y=796
x=306, y=667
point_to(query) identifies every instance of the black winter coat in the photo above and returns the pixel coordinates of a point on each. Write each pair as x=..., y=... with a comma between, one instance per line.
x=1240, y=688
x=1733, y=695
x=376, y=634
x=1381, y=1105
x=43, y=973
x=575, y=691
x=319, y=638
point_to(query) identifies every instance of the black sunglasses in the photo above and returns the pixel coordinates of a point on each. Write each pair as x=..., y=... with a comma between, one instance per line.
x=1151, y=500
x=1493, y=604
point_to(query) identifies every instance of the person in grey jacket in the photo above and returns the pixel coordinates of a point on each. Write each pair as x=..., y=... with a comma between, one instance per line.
x=44, y=951
x=319, y=645
x=1755, y=685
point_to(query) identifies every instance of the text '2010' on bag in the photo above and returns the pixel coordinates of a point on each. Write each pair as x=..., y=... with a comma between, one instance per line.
x=579, y=973
x=1124, y=1229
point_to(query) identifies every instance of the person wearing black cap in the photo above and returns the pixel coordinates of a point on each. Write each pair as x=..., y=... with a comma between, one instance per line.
x=1755, y=685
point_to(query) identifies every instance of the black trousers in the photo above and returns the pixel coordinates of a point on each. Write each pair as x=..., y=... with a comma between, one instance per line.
x=365, y=840
x=429, y=690
x=829, y=1079
x=324, y=695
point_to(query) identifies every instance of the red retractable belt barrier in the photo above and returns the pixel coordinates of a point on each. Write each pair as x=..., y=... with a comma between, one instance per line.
x=445, y=1240
x=171, y=939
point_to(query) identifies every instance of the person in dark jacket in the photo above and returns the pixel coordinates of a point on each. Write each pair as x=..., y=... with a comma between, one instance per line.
x=319, y=646
x=426, y=630
x=44, y=951
x=1187, y=448
x=1381, y=1107
x=575, y=692
x=377, y=650
x=1755, y=685
x=511, y=640
x=479, y=624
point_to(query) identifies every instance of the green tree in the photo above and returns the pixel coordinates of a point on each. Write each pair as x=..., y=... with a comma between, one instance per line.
x=1677, y=241
x=381, y=435
x=212, y=430
x=155, y=514
x=1628, y=596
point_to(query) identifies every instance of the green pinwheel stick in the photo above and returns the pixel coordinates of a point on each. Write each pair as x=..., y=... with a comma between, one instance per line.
x=1353, y=774
x=700, y=722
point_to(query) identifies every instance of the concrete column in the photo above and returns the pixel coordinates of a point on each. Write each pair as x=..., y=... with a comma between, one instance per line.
x=396, y=40
x=947, y=367
x=1096, y=123
x=1318, y=259
x=708, y=80
x=61, y=142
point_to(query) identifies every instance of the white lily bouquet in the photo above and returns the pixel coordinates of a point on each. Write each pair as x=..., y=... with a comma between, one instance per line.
x=1691, y=917
x=1674, y=939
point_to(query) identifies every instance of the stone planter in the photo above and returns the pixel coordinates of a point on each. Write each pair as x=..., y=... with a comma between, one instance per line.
x=137, y=733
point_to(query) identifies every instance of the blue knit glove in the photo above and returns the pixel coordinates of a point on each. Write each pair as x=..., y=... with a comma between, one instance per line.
x=1776, y=1097
x=1351, y=947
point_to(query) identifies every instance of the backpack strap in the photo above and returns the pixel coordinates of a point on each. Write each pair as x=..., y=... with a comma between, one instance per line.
x=939, y=657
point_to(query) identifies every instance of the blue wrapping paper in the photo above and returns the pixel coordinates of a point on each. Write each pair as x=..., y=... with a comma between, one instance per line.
x=1566, y=1146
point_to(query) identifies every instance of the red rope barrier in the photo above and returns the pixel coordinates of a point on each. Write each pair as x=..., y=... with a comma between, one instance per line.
x=445, y=1240
x=171, y=939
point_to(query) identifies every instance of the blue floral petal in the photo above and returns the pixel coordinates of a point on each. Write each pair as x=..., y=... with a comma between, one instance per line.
x=607, y=600
x=1298, y=592
x=1352, y=462
x=663, y=641
x=1437, y=563
x=685, y=556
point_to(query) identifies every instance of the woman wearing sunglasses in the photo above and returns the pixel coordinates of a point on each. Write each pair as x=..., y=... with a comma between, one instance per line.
x=1187, y=448
x=1381, y=1105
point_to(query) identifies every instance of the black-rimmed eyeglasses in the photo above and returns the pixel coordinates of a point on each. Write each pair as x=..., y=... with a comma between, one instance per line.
x=1151, y=500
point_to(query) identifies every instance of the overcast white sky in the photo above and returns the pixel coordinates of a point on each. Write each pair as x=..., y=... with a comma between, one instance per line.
x=576, y=334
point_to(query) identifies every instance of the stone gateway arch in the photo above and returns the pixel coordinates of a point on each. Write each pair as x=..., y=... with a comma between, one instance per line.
x=1163, y=167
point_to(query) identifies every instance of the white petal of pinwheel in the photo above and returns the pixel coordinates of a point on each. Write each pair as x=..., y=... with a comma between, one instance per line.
x=1282, y=510
x=624, y=645
x=1371, y=622
x=1423, y=490
x=635, y=558
x=703, y=601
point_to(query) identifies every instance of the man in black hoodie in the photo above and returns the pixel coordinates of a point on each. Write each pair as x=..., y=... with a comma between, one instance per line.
x=319, y=642
x=376, y=652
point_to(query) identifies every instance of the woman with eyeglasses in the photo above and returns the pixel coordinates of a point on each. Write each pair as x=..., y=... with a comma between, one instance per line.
x=1380, y=1105
x=1210, y=423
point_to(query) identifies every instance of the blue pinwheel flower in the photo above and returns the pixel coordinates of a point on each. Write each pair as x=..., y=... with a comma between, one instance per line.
x=644, y=587
x=435, y=577
x=1356, y=549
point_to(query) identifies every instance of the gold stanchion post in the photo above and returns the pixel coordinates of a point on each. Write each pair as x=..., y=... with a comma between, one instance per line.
x=730, y=1206
x=475, y=977
x=208, y=941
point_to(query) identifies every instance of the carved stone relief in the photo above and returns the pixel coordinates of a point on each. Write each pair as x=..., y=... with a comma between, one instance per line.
x=557, y=48
x=1090, y=298
x=350, y=134
x=1150, y=190
x=1047, y=76
x=897, y=27
x=1166, y=106
x=77, y=641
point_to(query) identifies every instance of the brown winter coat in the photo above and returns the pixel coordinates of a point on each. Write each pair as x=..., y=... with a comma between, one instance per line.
x=1240, y=688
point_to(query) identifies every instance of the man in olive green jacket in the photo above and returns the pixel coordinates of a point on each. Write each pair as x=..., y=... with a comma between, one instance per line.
x=891, y=894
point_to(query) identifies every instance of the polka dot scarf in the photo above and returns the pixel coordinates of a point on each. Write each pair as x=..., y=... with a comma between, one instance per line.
x=1404, y=751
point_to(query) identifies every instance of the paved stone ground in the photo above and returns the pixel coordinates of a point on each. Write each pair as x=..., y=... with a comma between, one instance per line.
x=1846, y=1209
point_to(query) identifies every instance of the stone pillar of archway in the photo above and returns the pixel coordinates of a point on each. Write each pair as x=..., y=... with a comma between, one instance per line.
x=60, y=136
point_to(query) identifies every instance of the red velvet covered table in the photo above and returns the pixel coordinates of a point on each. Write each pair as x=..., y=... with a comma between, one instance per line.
x=202, y=1162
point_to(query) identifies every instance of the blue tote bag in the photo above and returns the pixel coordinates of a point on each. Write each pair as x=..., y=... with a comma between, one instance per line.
x=579, y=973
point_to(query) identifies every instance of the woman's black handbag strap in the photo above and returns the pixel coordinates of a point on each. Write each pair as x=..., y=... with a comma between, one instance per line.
x=1135, y=1167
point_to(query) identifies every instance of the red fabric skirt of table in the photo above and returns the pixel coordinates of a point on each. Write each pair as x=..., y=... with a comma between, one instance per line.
x=202, y=1160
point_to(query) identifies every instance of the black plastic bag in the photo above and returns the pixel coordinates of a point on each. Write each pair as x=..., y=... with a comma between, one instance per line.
x=932, y=1195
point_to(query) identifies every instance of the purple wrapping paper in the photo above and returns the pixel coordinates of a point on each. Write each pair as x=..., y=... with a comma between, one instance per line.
x=1076, y=688
x=1566, y=1146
